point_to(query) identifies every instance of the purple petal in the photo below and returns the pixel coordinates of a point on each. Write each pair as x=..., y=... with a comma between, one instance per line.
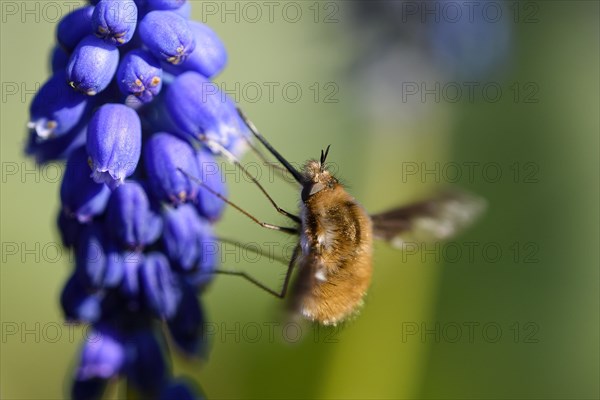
x=114, y=143
x=167, y=35
x=56, y=108
x=208, y=58
x=146, y=368
x=199, y=108
x=102, y=357
x=140, y=75
x=187, y=324
x=78, y=303
x=165, y=157
x=59, y=59
x=74, y=27
x=58, y=148
x=81, y=197
x=160, y=287
x=209, y=205
x=185, y=10
x=188, y=239
x=115, y=21
x=92, y=65
x=130, y=219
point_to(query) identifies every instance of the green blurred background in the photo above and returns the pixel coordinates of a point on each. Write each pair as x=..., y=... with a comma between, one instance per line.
x=533, y=311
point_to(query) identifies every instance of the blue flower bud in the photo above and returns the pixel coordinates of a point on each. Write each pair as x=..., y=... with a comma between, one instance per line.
x=130, y=219
x=145, y=366
x=114, y=143
x=158, y=117
x=185, y=10
x=58, y=148
x=139, y=74
x=210, y=206
x=198, y=107
x=167, y=36
x=188, y=239
x=98, y=262
x=165, y=4
x=56, y=108
x=69, y=228
x=74, y=26
x=58, y=59
x=115, y=20
x=209, y=57
x=78, y=303
x=119, y=263
x=164, y=155
x=130, y=286
x=102, y=357
x=92, y=65
x=90, y=256
x=187, y=324
x=81, y=197
x=159, y=285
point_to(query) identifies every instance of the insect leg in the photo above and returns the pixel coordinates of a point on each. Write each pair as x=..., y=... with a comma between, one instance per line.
x=233, y=159
x=282, y=171
x=281, y=294
x=297, y=175
x=291, y=231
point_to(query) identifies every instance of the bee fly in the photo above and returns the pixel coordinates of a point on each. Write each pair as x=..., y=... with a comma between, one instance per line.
x=334, y=252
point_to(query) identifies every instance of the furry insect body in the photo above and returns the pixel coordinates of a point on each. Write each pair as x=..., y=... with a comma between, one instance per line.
x=336, y=240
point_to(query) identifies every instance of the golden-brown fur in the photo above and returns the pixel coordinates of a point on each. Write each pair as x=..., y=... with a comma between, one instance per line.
x=336, y=241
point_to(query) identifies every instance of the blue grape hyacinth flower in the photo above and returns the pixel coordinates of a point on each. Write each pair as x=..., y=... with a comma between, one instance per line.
x=97, y=261
x=81, y=197
x=140, y=75
x=168, y=36
x=166, y=156
x=131, y=220
x=74, y=27
x=62, y=114
x=200, y=110
x=55, y=147
x=92, y=65
x=115, y=21
x=161, y=288
x=133, y=213
x=208, y=205
x=188, y=239
x=209, y=56
x=78, y=303
x=58, y=59
x=114, y=143
x=102, y=357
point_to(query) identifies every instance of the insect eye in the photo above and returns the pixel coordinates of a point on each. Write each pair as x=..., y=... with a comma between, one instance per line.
x=331, y=184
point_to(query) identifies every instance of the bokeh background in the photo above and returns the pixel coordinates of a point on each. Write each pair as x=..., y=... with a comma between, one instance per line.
x=522, y=323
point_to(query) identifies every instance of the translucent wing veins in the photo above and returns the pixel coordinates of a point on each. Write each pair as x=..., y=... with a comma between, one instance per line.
x=438, y=218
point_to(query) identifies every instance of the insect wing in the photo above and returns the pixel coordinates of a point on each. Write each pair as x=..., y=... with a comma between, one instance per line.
x=438, y=218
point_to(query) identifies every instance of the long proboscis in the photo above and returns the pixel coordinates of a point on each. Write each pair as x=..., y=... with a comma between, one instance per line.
x=295, y=173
